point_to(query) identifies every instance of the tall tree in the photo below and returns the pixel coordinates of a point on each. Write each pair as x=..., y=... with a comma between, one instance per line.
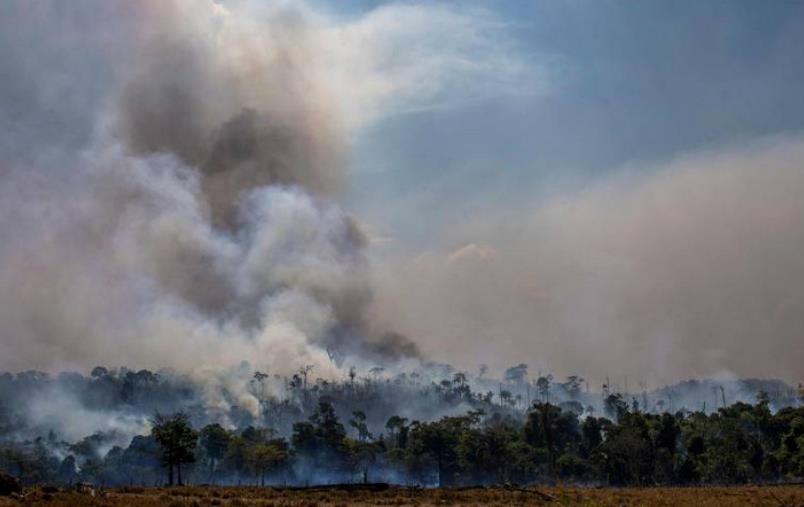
x=177, y=438
x=265, y=456
x=359, y=424
x=214, y=440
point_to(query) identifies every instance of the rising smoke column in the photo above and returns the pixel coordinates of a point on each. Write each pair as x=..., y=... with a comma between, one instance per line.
x=197, y=227
x=170, y=171
x=235, y=100
x=242, y=107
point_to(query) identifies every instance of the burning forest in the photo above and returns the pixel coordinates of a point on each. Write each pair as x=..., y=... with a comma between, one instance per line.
x=431, y=427
x=204, y=278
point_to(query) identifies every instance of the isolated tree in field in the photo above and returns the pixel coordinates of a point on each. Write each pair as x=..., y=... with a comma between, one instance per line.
x=177, y=438
x=214, y=440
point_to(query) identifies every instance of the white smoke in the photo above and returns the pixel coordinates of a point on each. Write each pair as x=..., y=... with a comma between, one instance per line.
x=180, y=209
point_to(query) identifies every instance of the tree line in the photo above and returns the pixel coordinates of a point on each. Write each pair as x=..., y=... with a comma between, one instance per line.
x=740, y=443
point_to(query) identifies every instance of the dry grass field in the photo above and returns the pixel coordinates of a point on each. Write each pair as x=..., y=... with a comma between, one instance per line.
x=401, y=496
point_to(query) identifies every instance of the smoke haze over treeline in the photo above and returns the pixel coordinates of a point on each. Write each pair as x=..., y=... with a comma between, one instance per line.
x=433, y=426
x=182, y=248
x=691, y=270
x=171, y=196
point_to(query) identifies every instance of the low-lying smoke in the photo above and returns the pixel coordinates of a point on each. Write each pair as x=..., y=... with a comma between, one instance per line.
x=691, y=269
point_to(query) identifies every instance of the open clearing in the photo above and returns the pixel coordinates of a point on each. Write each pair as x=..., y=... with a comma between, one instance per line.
x=324, y=496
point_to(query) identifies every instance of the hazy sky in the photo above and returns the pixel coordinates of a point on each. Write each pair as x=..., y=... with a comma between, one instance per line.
x=626, y=97
x=626, y=83
x=590, y=187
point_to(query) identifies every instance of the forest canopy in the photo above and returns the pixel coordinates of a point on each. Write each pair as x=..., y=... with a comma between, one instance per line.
x=411, y=429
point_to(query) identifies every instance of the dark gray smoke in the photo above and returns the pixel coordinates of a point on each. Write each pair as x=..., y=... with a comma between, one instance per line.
x=237, y=106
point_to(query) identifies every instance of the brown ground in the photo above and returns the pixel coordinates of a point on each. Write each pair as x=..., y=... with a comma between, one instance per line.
x=399, y=496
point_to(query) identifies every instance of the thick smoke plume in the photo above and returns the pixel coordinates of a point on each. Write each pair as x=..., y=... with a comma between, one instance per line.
x=192, y=224
x=239, y=102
